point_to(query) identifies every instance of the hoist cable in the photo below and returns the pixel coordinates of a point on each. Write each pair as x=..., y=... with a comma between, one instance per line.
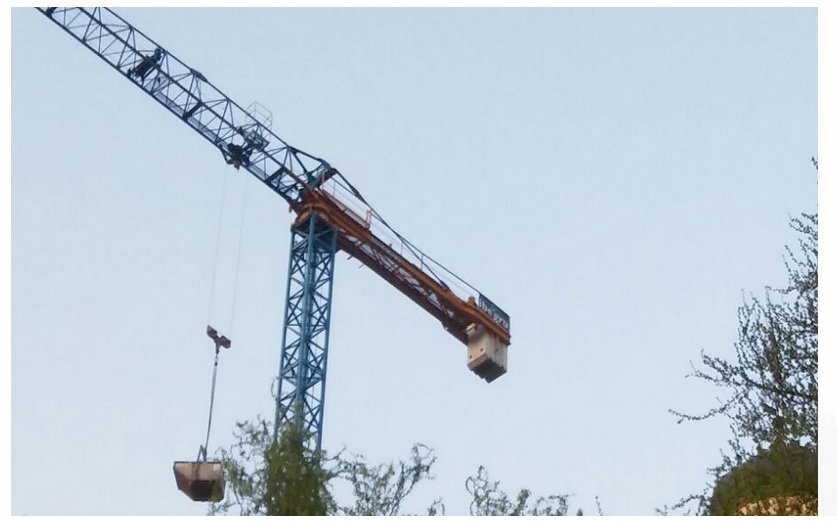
x=217, y=247
x=409, y=245
x=238, y=254
x=211, y=403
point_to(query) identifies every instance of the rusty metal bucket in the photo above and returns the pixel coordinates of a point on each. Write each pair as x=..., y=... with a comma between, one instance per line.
x=200, y=480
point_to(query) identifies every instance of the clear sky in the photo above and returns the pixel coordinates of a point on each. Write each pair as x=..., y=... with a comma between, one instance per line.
x=617, y=180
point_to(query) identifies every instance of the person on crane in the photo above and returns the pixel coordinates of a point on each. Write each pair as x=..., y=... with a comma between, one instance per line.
x=148, y=62
x=238, y=155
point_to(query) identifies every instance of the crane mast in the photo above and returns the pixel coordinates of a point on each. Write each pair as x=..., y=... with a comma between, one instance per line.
x=331, y=215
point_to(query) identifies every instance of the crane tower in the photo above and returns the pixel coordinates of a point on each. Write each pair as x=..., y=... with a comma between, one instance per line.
x=330, y=215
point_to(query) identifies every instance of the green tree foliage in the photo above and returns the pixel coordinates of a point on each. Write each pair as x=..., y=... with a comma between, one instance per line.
x=781, y=480
x=380, y=490
x=282, y=478
x=296, y=482
x=773, y=394
x=286, y=478
x=490, y=500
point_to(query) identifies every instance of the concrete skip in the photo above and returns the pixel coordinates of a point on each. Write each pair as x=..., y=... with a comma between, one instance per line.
x=200, y=480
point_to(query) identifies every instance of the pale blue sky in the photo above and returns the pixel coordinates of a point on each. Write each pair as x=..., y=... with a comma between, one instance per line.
x=617, y=180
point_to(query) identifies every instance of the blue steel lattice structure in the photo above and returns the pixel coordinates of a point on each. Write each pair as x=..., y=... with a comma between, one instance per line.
x=300, y=397
x=331, y=215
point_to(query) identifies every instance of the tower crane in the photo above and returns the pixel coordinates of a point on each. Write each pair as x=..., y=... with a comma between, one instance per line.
x=330, y=215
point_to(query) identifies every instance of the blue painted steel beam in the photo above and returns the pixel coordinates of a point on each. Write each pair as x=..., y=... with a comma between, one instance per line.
x=186, y=93
x=300, y=395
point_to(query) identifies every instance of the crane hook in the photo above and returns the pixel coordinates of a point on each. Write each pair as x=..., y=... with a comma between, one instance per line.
x=220, y=341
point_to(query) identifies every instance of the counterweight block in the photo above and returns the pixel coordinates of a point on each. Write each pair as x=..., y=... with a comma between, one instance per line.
x=487, y=355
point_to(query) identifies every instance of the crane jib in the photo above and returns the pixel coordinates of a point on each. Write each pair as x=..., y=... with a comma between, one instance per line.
x=326, y=221
x=186, y=93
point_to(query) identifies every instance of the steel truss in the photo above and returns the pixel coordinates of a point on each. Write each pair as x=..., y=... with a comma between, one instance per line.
x=300, y=393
